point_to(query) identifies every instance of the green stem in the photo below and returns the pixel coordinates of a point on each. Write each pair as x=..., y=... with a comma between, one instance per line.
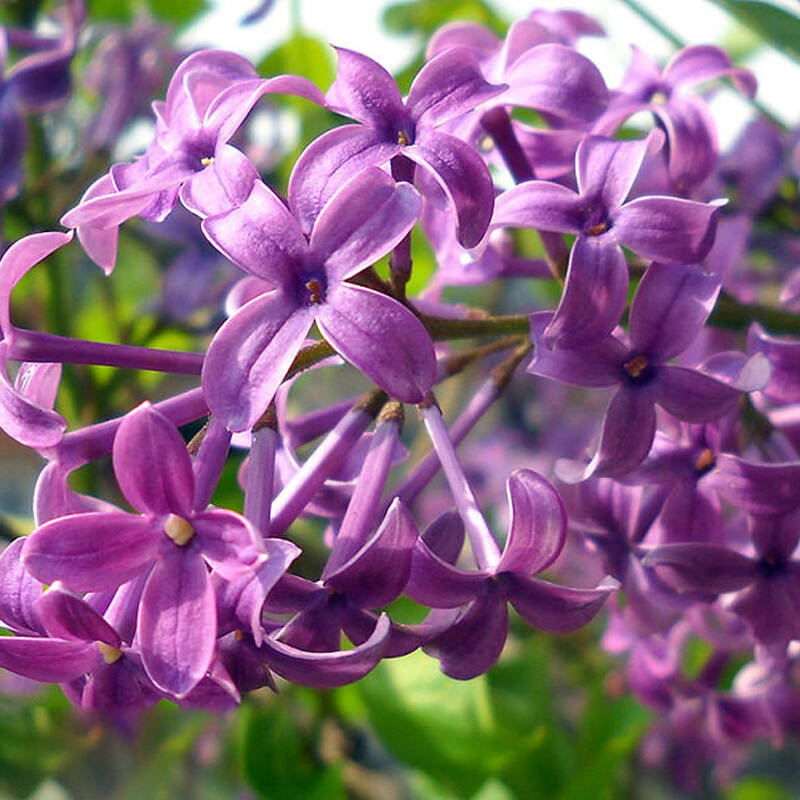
x=730, y=313
x=441, y=328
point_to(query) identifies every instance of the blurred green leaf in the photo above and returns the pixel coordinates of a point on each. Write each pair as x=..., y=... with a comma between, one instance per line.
x=276, y=761
x=301, y=55
x=422, y=16
x=777, y=27
x=179, y=12
x=758, y=788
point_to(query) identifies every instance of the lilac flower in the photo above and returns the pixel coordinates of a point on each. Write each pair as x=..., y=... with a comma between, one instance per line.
x=445, y=88
x=667, y=229
x=170, y=539
x=690, y=130
x=670, y=307
x=208, y=98
x=250, y=354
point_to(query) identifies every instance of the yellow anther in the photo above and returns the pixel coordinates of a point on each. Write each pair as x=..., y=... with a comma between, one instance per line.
x=314, y=290
x=207, y=161
x=110, y=654
x=636, y=366
x=704, y=460
x=659, y=99
x=596, y=230
x=178, y=529
x=402, y=138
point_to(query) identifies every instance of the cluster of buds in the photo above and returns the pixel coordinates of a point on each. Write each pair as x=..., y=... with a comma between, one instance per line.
x=682, y=498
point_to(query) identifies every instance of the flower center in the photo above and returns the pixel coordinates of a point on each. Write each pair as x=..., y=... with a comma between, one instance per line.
x=179, y=529
x=403, y=138
x=110, y=654
x=771, y=564
x=315, y=291
x=207, y=161
x=705, y=461
x=636, y=366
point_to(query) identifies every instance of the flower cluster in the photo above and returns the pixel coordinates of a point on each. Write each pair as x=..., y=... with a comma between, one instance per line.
x=680, y=502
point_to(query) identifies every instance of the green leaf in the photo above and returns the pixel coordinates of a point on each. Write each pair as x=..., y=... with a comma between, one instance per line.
x=777, y=27
x=433, y=723
x=179, y=12
x=276, y=761
x=301, y=55
x=422, y=16
x=757, y=788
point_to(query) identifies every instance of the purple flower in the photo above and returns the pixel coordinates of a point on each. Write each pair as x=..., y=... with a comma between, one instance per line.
x=445, y=88
x=170, y=539
x=250, y=354
x=670, y=307
x=208, y=98
x=663, y=228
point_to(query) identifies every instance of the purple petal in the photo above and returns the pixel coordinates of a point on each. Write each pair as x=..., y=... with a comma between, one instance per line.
x=328, y=670
x=50, y=660
x=471, y=646
x=38, y=382
x=250, y=355
x=667, y=228
x=438, y=584
x=757, y=488
x=227, y=541
x=692, y=138
x=541, y=205
x=382, y=338
x=595, y=293
x=783, y=354
x=558, y=80
x=628, y=430
x=177, y=626
x=477, y=38
x=538, y=524
x=22, y=419
x=449, y=85
x=362, y=222
x=329, y=162
x=606, y=169
x=116, y=688
x=551, y=152
x=379, y=571
x=228, y=110
x=222, y=186
x=465, y=179
x=92, y=552
x=671, y=305
x=693, y=397
x=704, y=62
x=260, y=236
x=18, y=591
x=152, y=465
x=549, y=607
x=100, y=244
x=365, y=91
x=702, y=566
x=67, y=616
x=17, y=261
x=445, y=536
x=595, y=364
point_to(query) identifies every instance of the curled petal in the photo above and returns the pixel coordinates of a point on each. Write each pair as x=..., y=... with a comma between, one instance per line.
x=380, y=337
x=328, y=670
x=438, y=584
x=757, y=488
x=464, y=178
x=227, y=540
x=538, y=524
x=549, y=607
x=474, y=643
x=705, y=62
x=379, y=571
x=19, y=591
